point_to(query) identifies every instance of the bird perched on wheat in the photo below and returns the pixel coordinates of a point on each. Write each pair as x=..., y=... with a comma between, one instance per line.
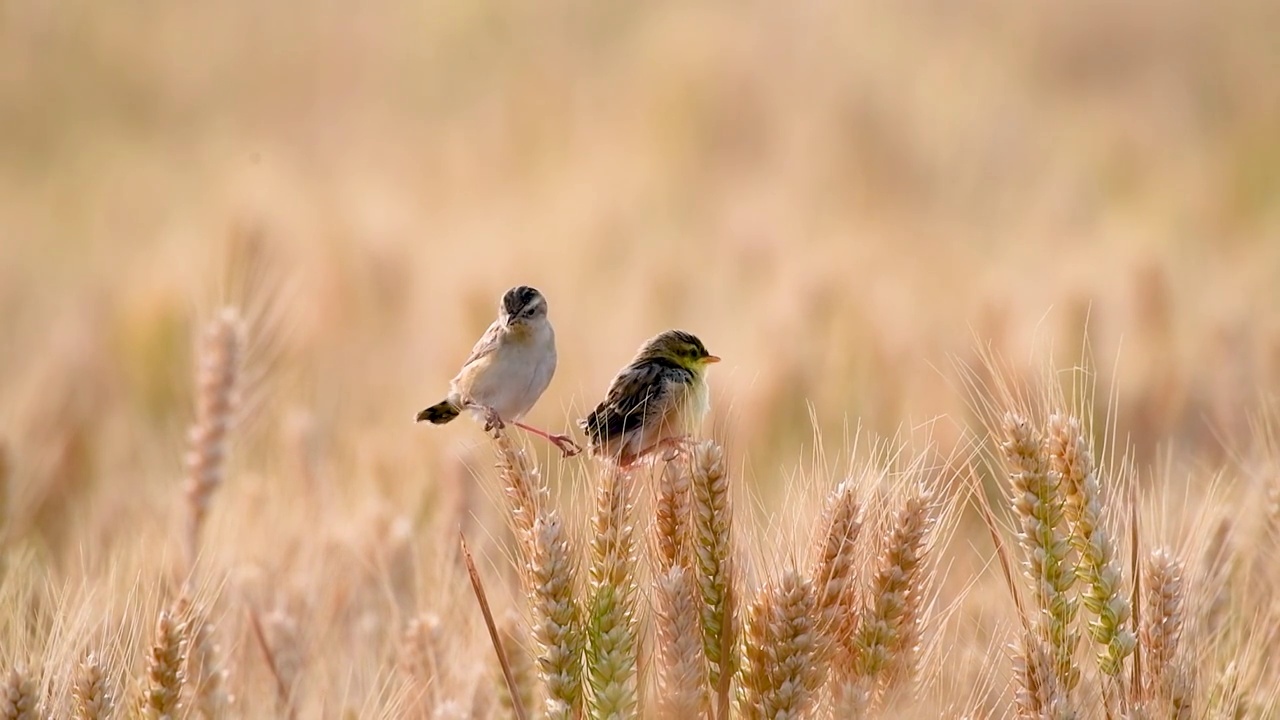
x=508, y=370
x=655, y=402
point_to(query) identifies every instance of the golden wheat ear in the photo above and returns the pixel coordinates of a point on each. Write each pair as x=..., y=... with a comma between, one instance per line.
x=440, y=413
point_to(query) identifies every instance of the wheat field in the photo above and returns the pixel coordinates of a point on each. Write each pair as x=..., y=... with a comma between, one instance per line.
x=996, y=434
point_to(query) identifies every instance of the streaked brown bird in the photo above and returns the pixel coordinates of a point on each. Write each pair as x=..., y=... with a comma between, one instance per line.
x=656, y=401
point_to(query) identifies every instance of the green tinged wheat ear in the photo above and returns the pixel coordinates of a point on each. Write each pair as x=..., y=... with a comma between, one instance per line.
x=549, y=570
x=165, y=674
x=782, y=672
x=1168, y=684
x=1099, y=565
x=612, y=638
x=713, y=548
x=1047, y=560
x=18, y=699
x=218, y=366
x=92, y=697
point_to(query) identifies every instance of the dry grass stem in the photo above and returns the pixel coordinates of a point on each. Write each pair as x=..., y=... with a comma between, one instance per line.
x=478, y=587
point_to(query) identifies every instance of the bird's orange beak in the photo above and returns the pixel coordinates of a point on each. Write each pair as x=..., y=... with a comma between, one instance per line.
x=711, y=359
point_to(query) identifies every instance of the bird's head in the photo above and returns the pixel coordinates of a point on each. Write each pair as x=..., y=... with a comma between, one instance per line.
x=680, y=347
x=523, y=305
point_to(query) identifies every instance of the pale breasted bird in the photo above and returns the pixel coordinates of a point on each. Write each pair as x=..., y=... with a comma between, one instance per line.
x=508, y=370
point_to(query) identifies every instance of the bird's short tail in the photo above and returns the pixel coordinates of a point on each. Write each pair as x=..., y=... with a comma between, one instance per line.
x=440, y=413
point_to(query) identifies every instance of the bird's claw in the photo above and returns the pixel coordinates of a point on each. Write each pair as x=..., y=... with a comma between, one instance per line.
x=493, y=422
x=565, y=444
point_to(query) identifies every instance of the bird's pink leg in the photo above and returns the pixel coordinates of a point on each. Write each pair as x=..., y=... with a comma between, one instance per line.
x=672, y=445
x=564, y=443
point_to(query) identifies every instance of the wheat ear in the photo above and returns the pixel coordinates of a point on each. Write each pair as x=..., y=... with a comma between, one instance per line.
x=782, y=672
x=549, y=570
x=886, y=641
x=206, y=678
x=92, y=698
x=1047, y=554
x=833, y=576
x=219, y=357
x=1167, y=681
x=18, y=696
x=1038, y=692
x=713, y=548
x=521, y=665
x=612, y=639
x=682, y=662
x=1099, y=564
x=165, y=678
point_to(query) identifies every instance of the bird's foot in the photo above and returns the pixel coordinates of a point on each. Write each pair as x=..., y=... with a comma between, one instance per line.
x=566, y=445
x=493, y=422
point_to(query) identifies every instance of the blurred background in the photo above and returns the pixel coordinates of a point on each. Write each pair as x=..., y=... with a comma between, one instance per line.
x=843, y=200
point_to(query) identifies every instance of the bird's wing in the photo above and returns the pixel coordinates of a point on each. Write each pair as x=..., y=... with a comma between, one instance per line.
x=487, y=343
x=638, y=394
